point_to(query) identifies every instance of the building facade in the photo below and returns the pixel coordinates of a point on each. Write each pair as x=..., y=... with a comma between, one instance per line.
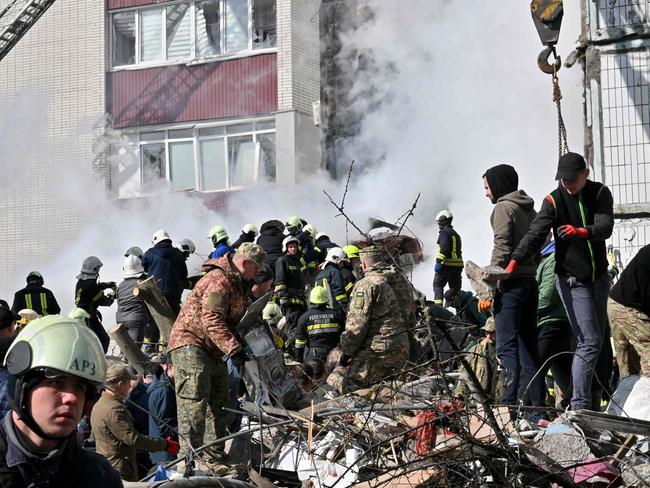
x=204, y=96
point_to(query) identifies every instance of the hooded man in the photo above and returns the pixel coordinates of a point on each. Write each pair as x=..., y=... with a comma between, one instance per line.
x=270, y=239
x=581, y=214
x=515, y=301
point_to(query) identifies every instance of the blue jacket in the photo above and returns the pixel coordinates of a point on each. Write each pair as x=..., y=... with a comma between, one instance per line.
x=167, y=264
x=140, y=397
x=162, y=406
x=4, y=398
x=221, y=250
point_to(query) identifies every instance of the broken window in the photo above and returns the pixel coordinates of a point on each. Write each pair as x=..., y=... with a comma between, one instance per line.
x=123, y=30
x=208, y=28
x=236, y=25
x=153, y=166
x=151, y=35
x=264, y=24
x=241, y=160
x=266, y=159
x=179, y=32
x=213, y=165
x=181, y=165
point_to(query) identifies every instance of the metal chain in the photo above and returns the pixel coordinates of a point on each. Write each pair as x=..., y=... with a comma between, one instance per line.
x=562, y=144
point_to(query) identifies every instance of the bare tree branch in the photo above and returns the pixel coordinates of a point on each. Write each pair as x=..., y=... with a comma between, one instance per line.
x=409, y=213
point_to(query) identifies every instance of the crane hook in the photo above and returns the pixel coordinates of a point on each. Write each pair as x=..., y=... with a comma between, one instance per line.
x=544, y=65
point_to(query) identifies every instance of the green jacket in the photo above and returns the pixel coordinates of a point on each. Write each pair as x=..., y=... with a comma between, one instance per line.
x=550, y=307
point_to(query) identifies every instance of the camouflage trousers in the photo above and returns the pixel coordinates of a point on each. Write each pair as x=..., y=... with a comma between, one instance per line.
x=631, y=335
x=201, y=394
x=364, y=371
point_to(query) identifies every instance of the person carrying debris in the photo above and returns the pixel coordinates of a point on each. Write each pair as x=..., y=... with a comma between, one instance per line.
x=289, y=289
x=56, y=367
x=248, y=234
x=132, y=312
x=449, y=261
x=90, y=294
x=36, y=297
x=581, y=214
x=202, y=335
x=515, y=302
x=466, y=305
x=319, y=328
x=167, y=264
x=116, y=437
x=375, y=343
x=482, y=358
x=331, y=279
x=629, y=313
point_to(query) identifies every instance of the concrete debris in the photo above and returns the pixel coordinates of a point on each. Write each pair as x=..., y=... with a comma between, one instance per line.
x=484, y=279
x=631, y=396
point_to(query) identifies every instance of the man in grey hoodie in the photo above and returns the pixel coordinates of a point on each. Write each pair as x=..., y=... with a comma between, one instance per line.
x=515, y=303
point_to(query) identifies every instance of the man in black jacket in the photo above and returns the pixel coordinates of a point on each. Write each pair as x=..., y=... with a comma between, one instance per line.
x=580, y=212
x=36, y=296
x=270, y=240
x=89, y=295
x=629, y=313
x=449, y=261
x=319, y=328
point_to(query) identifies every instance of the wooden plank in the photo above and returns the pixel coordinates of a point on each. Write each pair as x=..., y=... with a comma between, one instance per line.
x=158, y=307
x=131, y=352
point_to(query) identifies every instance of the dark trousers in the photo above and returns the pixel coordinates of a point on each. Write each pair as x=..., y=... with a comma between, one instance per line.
x=515, y=316
x=449, y=274
x=586, y=307
x=555, y=338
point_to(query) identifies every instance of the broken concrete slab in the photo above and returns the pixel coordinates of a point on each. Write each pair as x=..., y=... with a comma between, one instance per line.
x=631, y=398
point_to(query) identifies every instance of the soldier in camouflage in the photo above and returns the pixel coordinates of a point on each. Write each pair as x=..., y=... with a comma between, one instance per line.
x=482, y=358
x=202, y=335
x=375, y=343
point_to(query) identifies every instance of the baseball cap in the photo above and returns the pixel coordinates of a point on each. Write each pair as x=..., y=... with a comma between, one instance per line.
x=119, y=372
x=570, y=166
x=6, y=315
x=489, y=325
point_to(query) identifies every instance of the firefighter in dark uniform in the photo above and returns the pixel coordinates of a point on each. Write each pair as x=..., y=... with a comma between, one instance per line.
x=294, y=227
x=331, y=278
x=36, y=296
x=289, y=289
x=449, y=262
x=319, y=328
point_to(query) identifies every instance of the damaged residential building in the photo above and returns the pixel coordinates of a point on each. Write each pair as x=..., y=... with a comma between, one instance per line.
x=182, y=95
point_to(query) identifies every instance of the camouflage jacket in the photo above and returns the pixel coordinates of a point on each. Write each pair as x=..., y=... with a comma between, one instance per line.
x=212, y=310
x=375, y=327
x=482, y=358
x=403, y=291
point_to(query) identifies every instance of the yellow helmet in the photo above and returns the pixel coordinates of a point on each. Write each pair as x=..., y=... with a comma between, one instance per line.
x=318, y=295
x=351, y=251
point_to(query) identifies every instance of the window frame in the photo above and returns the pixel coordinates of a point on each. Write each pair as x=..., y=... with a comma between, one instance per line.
x=196, y=139
x=194, y=57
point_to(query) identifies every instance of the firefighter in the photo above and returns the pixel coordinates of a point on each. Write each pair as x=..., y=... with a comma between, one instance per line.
x=319, y=328
x=248, y=234
x=91, y=294
x=36, y=297
x=290, y=283
x=135, y=251
x=449, y=262
x=187, y=247
x=294, y=228
x=352, y=252
x=322, y=243
x=220, y=241
x=331, y=278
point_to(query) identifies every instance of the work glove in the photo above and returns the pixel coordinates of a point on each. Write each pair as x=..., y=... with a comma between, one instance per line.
x=238, y=359
x=484, y=305
x=172, y=446
x=569, y=231
x=109, y=284
x=512, y=266
x=438, y=267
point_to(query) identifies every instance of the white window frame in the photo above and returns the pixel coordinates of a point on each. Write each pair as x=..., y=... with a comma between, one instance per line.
x=194, y=58
x=196, y=140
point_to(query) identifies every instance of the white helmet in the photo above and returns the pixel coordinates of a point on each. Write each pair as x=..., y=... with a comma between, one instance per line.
x=90, y=268
x=444, y=215
x=132, y=267
x=159, y=236
x=288, y=240
x=321, y=234
x=310, y=229
x=334, y=255
x=250, y=228
x=186, y=245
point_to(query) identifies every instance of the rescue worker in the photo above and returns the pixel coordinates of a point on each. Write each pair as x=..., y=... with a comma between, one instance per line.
x=132, y=311
x=375, y=342
x=187, y=247
x=220, y=241
x=515, y=302
x=26, y=316
x=36, y=297
x=580, y=212
x=134, y=251
x=202, y=335
x=352, y=252
x=91, y=294
x=56, y=367
x=331, y=278
x=294, y=227
x=167, y=265
x=289, y=289
x=482, y=358
x=272, y=314
x=270, y=239
x=322, y=244
x=248, y=234
x=449, y=261
x=466, y=305
x=629, y=313
x=8, y=326
x=115, y=436
x=163, y=418
x=319, y=328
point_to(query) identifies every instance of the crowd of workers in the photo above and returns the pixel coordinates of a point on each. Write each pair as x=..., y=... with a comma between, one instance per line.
x=347, y=315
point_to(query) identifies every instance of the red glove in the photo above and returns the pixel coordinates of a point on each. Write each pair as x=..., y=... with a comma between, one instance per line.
x=172, y=446
x=569, y=231
x=484, y=305
x=512, y=266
